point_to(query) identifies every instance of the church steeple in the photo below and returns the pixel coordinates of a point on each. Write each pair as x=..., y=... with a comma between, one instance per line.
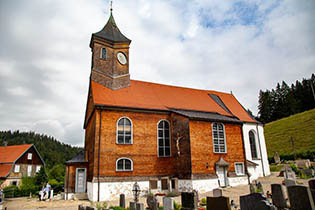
x=110, y=56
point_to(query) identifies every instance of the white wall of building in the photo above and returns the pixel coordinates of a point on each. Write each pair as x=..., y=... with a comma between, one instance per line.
x=262, y=169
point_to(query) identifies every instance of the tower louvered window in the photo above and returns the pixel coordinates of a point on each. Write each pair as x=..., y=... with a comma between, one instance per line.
x=218, y=135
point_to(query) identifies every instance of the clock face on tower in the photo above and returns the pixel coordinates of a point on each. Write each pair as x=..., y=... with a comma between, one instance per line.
x=121, y=58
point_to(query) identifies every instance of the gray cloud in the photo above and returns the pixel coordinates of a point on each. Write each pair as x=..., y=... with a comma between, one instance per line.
x=45, y=57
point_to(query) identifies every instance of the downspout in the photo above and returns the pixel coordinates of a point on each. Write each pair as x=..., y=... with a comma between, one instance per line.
x=67, y=182
x=98, y=158
x=261, y=155
x=245, y=164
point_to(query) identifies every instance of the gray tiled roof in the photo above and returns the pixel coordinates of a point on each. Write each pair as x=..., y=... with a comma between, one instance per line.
x=206, y=116
x=79, y=158
x=111, y=32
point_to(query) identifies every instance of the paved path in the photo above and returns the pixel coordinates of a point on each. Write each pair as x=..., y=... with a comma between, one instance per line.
x=232, y=192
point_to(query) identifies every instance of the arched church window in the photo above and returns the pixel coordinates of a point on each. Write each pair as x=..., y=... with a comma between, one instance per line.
x=164, y=144
x=218, y=135
x=124, y=164
x=252, y=142
x=124, y=131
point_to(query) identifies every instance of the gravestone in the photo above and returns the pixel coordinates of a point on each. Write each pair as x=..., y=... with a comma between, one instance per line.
x=278, y=197
x=300, y=198
x=188, y=201
x=251, y=188
x=290, y=175
x=276, y=157
x=139, y=206
x=255, y=201
x=215, y=203
x=308, y=172
x=196, y=197
x=303, y=163
x=311, y=184
x=168, y=203
x=132, y=205
x=289, y=182
x=122, y=201
x=313, y=195
x=152, y=202
x=217, y=192
x=90, y=208
x=81, y=207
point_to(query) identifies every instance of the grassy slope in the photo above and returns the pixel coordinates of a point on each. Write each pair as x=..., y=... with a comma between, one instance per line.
x=300, y=126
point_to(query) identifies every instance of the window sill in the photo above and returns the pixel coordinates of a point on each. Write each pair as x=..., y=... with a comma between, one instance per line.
x=123, y=144
x=256, y=159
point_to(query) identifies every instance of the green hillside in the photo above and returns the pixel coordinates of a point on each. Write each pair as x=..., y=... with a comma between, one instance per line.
x=301, y=127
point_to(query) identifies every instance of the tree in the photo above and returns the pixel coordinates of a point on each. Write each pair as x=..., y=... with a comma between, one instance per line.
x=41, y=177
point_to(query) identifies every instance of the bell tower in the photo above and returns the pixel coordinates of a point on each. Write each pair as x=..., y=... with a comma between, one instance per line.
x=110, y=56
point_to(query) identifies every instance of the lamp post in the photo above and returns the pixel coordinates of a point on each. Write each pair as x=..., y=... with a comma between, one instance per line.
x=136, y=191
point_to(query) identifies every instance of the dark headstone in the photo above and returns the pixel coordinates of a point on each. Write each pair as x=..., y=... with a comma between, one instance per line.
x=277, y=196
x=308, y=172
x=139, y=206
x=255, y=201
x=300, y=197
x=215, y=203
x=132, y=205
x=152, y=202
x=122, y=201
x=311, y=184
x=188, y=201
x=90, y=208
x=81, y=207
x=313, y=195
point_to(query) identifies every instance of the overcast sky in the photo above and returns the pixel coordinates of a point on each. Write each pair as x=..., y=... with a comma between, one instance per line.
x=223, y=45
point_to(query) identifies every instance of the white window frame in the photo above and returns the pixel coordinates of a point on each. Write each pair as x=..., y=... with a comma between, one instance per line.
x=29, y=156
x=169, y=130
x=243, y=168
x=131, y=128
x=225, y=146
x=38, y=168
x=29, y=170
x=101, y=53
x=17, y=169
x=124, y=158
x=250, y=146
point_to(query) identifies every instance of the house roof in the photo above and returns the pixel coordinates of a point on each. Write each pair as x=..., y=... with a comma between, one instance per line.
x=79, y=158
x=111, y=32
x=9, y=154
x=153, y=96
x=5, y=170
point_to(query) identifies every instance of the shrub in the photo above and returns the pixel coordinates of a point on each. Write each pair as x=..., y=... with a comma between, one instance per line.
x=11, y=191
x=172, y=194
x=295, y=169
x=274, y=168
x=204, y=201
x=28, y=186
x=177, y=206
x=116, y=208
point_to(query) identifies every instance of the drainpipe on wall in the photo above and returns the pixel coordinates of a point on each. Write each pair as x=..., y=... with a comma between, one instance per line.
x=98, y=158
x=261, y=155
x=245, y=164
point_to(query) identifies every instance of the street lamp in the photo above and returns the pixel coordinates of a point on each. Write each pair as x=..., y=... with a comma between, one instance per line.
x=136, y=191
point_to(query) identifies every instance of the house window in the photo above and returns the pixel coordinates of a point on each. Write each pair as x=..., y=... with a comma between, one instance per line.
x=218, y=135
x=239, y=168
x=17, y=169
x=29, y=156
x=38, y=168
x=164, y=144
x=252, y=143
x=124, y=131
x=29, y=170
x=164, y=183
x=124, y=164
x=103, y=53
x=15, y=183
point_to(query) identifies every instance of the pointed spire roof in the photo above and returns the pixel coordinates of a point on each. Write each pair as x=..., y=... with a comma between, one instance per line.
x=111, y=32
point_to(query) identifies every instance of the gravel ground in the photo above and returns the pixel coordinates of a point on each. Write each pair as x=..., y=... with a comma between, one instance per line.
x=232, y=192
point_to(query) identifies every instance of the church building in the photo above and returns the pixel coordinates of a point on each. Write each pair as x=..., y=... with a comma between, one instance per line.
x=163, y=137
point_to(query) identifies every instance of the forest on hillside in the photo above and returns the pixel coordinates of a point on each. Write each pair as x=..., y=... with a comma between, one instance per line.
x=286, y=100
x=51, y=150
